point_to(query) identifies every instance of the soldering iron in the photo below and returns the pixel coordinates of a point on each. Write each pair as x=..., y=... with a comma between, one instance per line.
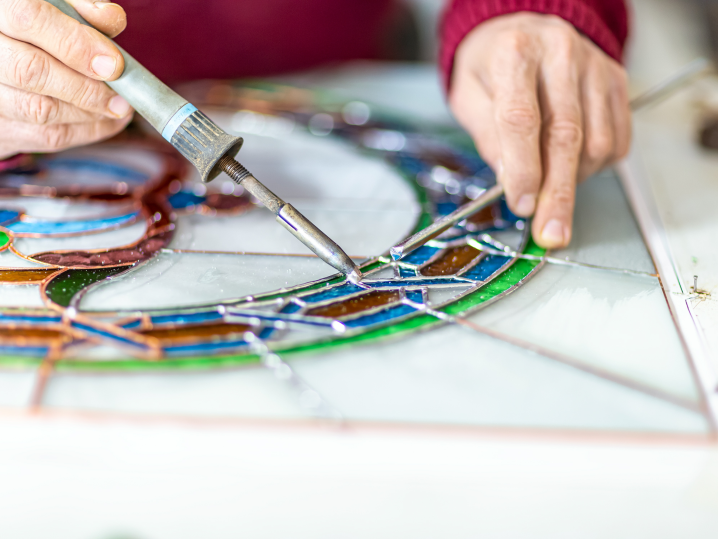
x=210, y=149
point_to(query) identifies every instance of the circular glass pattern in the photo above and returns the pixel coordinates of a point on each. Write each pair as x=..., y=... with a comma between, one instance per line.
x=115, y=257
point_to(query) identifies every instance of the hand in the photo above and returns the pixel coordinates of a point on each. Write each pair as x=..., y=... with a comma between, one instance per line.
x=546, y=108
x=51, y=68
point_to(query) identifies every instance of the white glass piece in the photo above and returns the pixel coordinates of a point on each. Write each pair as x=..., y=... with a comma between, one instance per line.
x=8, y=259
x=302, y=168
x=454, y=375
x=20, y=295
x=59, y=209
x=16, y=388
x=360, y=202
x=172, y=279
x=439, y=295
x=611, y=321
x=512, y=238
x=249, y=392
x=605, y=232
x=360, y=233
x=102, y=240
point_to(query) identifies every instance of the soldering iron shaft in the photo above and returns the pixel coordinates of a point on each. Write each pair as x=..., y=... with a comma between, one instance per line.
x=287, y=215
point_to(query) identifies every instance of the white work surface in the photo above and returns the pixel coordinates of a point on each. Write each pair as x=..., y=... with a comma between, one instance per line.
x=579, y=457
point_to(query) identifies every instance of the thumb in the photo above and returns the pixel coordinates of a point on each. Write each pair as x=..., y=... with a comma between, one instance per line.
x=107, y=17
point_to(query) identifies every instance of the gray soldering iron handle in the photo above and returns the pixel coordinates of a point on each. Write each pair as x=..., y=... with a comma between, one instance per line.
x=197, y=137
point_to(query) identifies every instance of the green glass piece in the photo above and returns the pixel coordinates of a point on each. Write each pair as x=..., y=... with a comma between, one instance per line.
x=4, y=240
x=63, y=288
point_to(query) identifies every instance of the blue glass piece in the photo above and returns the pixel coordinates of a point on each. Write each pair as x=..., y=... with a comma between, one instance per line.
x=102, y=167
x=266, y=333
x=486, y=268
x=35, y=351
x=133, y=325
x=8, y=216
x=415, y=295
x=445, y=208
x=204, y=348
x=331, y=293
x=290, y=308
x=421, y=255
x=5, y=317
x=283, y=318
x=185, y=199
x=52, y=228
x=404, y=273
x=382, y=316
x=184, y=318
x=419, y=282
x=506, y=213
x=97, y=331
x=410, y=164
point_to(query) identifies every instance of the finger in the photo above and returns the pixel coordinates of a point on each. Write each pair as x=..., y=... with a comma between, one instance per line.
x=27, y=107
x=56, y=137
x=562, y=143
x=599, y=140
x=621, y=111
x=517, y=116
x=474, y=110
x=28, y=68
x=80, y=47
x=107, y=17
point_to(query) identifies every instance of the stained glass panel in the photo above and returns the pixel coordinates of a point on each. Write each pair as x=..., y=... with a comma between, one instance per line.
x=130, y=287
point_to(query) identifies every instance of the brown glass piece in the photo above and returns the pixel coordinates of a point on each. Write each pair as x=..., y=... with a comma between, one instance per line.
x=20, y=276
x=24, y=336
x=451, y=261
x=486, y=216
x=130, y=255
x=186, y=333
x=220, y=202
x=377, y=298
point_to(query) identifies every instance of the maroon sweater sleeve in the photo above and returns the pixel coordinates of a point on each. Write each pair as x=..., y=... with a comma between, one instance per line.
x=603, y=21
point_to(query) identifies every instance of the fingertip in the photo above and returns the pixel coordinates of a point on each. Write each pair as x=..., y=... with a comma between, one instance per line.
x=107, y=17
x=525, y=206
x=552, y=235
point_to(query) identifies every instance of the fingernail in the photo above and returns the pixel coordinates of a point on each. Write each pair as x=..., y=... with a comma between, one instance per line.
x=118, y=106
x=526, y=205
x=104, y=66
x=553, y=234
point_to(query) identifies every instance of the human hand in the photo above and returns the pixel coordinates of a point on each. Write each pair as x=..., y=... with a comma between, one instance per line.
x=546, y=108
x=51, y=92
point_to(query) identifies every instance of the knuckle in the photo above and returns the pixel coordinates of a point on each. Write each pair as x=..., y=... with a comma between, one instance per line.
x=565, y=135
x=562, y=195
x=74, y=44
x=23, y=16
x=56, y=137
x=520, y=118
x=90, y=96
x=30, y=70
x=599, y=147
x=39, y=109
x=515, y=40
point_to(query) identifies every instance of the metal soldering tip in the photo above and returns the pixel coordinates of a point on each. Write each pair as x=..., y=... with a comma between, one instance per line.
x=301, y=227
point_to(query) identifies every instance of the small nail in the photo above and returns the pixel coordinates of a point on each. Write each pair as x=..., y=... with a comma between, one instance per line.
x=526, y=205
x=118, y=107
x=553, y=234
x=104, y=66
